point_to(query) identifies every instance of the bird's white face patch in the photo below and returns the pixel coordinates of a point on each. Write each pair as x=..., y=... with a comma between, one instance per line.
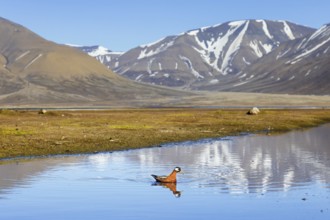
x=177, y=169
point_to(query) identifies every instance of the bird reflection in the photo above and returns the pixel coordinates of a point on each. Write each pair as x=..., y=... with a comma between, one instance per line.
x=170, y=186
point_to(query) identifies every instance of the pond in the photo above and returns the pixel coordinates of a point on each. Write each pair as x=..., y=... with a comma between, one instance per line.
x=283, y=176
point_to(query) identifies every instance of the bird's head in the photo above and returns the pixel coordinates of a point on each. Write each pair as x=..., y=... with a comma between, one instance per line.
x=177, y=169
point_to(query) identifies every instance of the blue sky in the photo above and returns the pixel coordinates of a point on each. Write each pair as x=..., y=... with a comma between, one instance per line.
x=123, y=24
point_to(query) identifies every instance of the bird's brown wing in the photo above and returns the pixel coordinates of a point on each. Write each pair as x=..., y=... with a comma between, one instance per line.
x=159, y=178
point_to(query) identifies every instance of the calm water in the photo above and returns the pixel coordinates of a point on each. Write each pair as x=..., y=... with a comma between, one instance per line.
x=247, y=177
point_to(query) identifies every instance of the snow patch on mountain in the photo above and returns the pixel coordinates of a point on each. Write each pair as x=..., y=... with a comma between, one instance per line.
x=255, y=47
x=149, y=65
x=99, y=51
x=193, y=32
x=103, y=58
x=236, y=23
x=163, y=47
x=138, y=77
x=246, y=62
x=153, y=43
x=288, y=30
x=308, y=72
x=267, y=47
x=34, y=60
x=280, y=55
x=22, y=55
x=307, y=52
x=214, y=81
x=292, y=77
x=188, y=62
x=265, y=28
x=301, y=43
x=323, y=31
x=233, y=48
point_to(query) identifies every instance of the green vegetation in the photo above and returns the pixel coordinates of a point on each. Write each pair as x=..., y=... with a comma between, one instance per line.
x=27, y=133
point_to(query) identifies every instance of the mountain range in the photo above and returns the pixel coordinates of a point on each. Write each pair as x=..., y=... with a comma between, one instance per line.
x=240, y=56
x=247, y=56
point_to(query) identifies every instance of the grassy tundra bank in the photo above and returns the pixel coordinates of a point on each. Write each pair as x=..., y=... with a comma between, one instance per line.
x=27, y=133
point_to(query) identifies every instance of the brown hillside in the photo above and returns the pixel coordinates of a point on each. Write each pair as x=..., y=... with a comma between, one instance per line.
x=34, y=70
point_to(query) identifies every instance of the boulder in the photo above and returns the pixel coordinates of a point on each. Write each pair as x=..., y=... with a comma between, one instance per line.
x=42, y=111
x=253, y=111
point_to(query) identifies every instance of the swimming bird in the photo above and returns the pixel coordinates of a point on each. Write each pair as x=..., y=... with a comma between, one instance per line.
x=168, y=179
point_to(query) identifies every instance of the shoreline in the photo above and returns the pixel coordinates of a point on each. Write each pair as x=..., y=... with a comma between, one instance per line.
x=26, y=158
x=107, y=108
x=25, y=134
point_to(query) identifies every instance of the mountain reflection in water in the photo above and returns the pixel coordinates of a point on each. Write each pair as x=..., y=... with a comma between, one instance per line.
x=244, y=164
x=283, y=176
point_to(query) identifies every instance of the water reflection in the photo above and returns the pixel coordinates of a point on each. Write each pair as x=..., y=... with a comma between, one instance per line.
x=20, y=173
x=245, y=164
x=170, y=186
x=258, y=170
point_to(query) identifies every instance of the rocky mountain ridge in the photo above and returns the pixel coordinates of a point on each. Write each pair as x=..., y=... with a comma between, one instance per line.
x=300, y=66
x=205, y=56
x=240, y=56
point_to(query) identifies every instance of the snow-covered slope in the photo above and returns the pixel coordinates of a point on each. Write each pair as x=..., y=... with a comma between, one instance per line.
x=102, y=54
x=299, y=66
x=313, y=46
x=205, y=56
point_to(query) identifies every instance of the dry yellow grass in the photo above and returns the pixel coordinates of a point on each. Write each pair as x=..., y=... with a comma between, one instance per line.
x=25, y=133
